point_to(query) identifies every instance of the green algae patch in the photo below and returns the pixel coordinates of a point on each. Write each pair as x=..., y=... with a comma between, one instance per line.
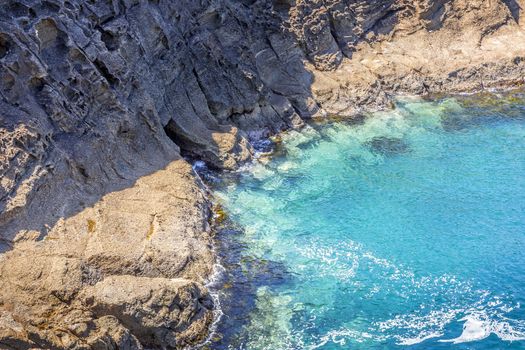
x=220, y=215
x=332, y=118
x=149, y=234
x=493, y=101
x=91, y=226
x=277, y=139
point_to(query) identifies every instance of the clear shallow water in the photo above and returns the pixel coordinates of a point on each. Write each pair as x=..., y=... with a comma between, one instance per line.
x=406, y=231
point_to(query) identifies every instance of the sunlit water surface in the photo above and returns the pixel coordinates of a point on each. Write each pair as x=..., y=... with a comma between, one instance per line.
x=404, y=231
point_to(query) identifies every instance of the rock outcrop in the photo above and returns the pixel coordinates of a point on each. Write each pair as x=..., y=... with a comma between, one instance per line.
x=126, y=272
x=104, y=234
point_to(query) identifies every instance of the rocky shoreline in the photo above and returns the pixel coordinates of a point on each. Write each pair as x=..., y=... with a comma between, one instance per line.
x=106, y=235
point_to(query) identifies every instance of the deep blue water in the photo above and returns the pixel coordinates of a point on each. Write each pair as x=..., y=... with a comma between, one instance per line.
x=405, y=231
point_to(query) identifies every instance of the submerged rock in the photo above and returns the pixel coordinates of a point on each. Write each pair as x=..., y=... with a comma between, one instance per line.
x=388, y=145
x=454, y=122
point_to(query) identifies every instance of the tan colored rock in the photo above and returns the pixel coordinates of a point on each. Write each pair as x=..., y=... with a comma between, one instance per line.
x=473, y=45
x=158, y=311
x=102, y=222
x=129, y=270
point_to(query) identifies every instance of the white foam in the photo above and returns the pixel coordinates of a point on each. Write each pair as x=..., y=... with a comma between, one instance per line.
x=286, y=166
x=479, y=325
x=474, y=328
x=418, y=328
x=505, y=331
x=419, y=339
x=340, y=336
x=260, y=171
x=199, y=164
x=214, y=282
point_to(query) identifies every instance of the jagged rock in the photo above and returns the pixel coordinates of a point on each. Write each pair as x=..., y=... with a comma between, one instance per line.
x=159, y=312
x=132, y=241
x=99, y=99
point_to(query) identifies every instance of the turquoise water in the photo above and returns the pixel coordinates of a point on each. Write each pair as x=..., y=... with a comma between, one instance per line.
x=404, y=231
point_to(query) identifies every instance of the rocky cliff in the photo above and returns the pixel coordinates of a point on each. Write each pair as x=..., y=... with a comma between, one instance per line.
x=105, y=239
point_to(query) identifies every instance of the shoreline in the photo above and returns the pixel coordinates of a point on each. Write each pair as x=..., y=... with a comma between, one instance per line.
x=229, y=225
x=222, y=221
x=100, y=102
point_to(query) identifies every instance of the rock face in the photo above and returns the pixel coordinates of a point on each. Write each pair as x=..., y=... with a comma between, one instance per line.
x=123, y=273
x=104, y=234
x=427, y=47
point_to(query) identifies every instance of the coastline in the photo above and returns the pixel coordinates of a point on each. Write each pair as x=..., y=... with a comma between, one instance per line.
x=102, y=106
x=227, y=228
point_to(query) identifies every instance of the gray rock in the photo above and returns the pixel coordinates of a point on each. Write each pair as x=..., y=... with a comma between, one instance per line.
x=99, y=99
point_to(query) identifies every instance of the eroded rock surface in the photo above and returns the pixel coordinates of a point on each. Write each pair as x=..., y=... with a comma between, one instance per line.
x=104, y=234
x=128, y=271
x=433, y=47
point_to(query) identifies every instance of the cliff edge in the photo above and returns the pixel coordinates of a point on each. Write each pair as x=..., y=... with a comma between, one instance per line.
x=105, y=240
